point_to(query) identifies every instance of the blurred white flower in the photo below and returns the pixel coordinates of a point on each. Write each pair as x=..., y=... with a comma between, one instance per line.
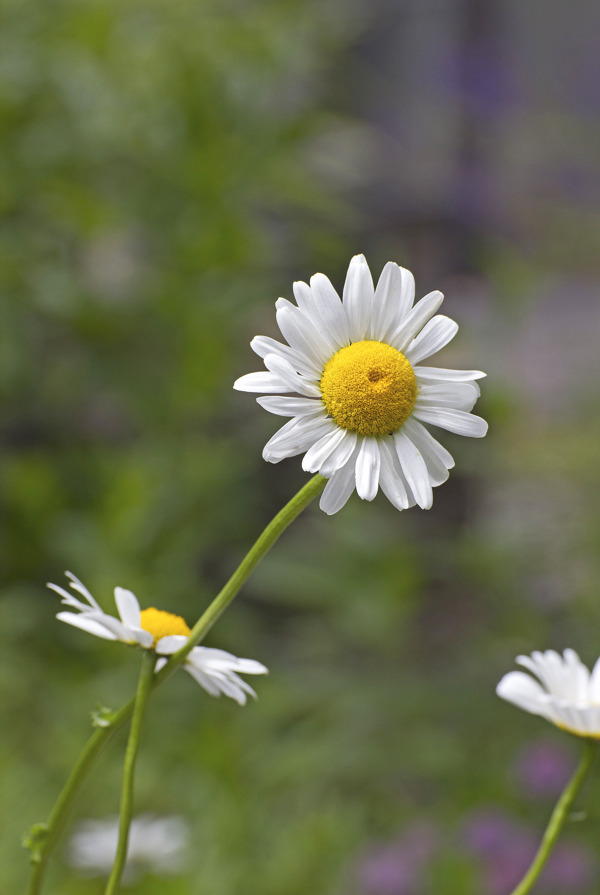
x=165, y=633
x=566, y=693
x=358, y=395
x=156, y=845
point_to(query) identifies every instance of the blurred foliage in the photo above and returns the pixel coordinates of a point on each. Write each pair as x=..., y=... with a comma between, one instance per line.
x=168, y=169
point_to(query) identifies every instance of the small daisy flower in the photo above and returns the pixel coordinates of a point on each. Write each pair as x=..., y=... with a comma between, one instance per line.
x=156, y=845
x=165, y=633
x=565, y=692
x=351, y=380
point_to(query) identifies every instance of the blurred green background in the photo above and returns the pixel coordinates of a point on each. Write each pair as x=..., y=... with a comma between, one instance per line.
x=168, y=169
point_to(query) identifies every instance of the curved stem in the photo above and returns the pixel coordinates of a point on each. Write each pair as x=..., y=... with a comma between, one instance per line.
x=133, y=745
x=558, y=818
x=45, y=836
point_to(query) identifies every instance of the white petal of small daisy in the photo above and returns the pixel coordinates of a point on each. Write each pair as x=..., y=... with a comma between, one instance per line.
x=294, y=381
x=436, y=374
x=358, y=297
x=457, y=395
x=394, y=297
x=296, y=437
x=263, y=345
x=415, y=320
x=128, y=606
x=80, y=587
x=565, y=692
x=318, y=452
x=290, y=406
x=340, y=456
x=363, y=395
x=414, y=468
x=92, y=626
x=391, y=477
x=457, y=421
x=340, y=486
x=434, y=336
x=368, y=464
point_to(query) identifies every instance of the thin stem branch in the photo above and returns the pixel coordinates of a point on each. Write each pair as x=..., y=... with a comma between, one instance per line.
x=133, y=745
x=44, y=836
x=558, y=818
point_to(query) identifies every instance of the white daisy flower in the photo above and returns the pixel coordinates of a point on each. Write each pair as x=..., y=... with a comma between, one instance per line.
x=156, y=845
x=359, y=396
x=163, y=632
x=566, y=693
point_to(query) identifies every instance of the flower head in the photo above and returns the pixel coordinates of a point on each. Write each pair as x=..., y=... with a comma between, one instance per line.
x=156, y=845
x=165, y=633
x=566, y=693
x=351, y=381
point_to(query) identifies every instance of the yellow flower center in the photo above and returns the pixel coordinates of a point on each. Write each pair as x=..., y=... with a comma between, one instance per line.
x=162, y=624
x=369, y=388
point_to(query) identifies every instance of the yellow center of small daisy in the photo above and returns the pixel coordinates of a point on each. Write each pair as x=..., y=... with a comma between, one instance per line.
x=163, y=624
x=369, y=387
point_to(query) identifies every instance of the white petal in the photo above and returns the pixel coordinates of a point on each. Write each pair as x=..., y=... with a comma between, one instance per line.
x=301, y=333
x=128, y=606
x=69, y=600
x=391, y=478
x=284, y=406
x=286, y=373
x=594, y=685
x=458, y=395
x=304, y=297
x=263, y=345
x=434, y=335
x=296, y=437
x=415, y=320
x=456, y=421
x=261, y=382
x=523, y=691
x=339, y=487
x=77, y=585
x=340, y=456
x=329, y=308
x=86, y=624
x=437, y=459
x=414, y=469
x=442, y=375
x=168, y=645
x=358, y=297
x=393, y=300
x=368, y=464
x=322, y=449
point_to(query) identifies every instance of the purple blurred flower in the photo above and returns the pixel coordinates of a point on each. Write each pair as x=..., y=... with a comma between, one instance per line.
x=506, y=847
x=542, y=768
x=397, y=868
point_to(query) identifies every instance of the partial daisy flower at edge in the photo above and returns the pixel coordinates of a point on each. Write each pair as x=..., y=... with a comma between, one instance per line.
x=350, y=379
x=165, y=633
x=566, y=693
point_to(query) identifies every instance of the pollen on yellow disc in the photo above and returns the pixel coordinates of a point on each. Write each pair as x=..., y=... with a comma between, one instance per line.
x=163, y=624
x=369, y=388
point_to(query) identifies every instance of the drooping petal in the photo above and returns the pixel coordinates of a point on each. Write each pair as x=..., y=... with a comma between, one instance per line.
x=318, y=453
x=358, y=297
x=391, y=478
x=296, y=437
x=432, y=338
x=368, y=464
x=437, y=459
x=414, y=469
x=339, y=487
x=86, y=624
x=456, y=421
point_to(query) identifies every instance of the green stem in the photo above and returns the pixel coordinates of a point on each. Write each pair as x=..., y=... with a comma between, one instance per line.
x=133, y=745
x=45, y=836
x=558, y=818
